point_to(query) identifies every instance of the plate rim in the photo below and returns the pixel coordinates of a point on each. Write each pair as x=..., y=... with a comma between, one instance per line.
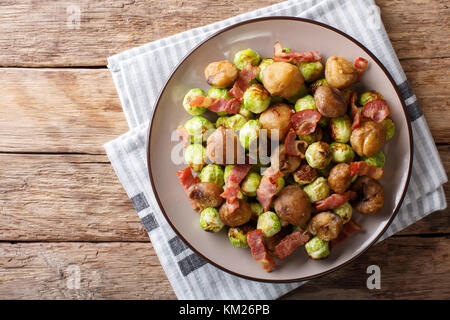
x=368, y=52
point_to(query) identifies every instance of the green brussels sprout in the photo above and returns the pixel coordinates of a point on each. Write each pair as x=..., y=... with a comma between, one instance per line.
x=210, y=220
x=269, y=223
x=219, y=93
x=257, y=209
x=281, y=183
x=212, y=173
x=341, y=128
x=344, y=211
x=378, y=159
x=221, y=121
x=317, y=135
x=307, y=103
x=250, y=184
x=318, y=83
x=195, y=111
x=238, y=235
x=195, y=156
x=247, y=113
x=249, y=133
x=317, y=249
x=256, y=99
x=369, y=96
x=227, y=171
x=235, y=122
x=389, y=126
x=303, y=91
x=318, y=155
x=341, y=152
x=243, y=57
x=311, y=70
x=305, y=174
x=199, y=128
x=317, y=190
x=264, y=63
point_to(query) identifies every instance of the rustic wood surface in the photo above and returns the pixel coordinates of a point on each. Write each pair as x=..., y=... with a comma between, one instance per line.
x=62, y=207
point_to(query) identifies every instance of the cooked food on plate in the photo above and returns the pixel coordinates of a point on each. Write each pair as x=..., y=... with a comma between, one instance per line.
x=294, y=153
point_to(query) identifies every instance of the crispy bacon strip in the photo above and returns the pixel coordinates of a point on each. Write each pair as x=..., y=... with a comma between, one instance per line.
x=377, y=110
x=355, y=112
x=268, y=187
x=361, y=168
x=305, y=121
x=187, y=180
x=243, y=81
x=291, y=242
x=233, y=180
x=349, y=228
x=293, y=56
x=259, y=251
x=216, y=104
x=360, y=65
x=334, y=201
x=184, y=135
x=294, y=147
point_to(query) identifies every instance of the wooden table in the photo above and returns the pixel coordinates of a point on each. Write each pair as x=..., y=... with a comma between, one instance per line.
x=64, y=212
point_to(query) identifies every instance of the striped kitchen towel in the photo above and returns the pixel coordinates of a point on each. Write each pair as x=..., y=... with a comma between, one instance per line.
x=133, y=72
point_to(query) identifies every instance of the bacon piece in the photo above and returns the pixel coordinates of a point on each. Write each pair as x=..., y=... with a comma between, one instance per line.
x=360, y=65
x=305, y=121
x=376, y=110
x=243, y=81
x=355, y=112
x=294, y=147
x=216, y=104
x=187, y=180
x=291, y=242
x=233, y=180
x=259, y=251
x=268, y=187
x=334, y=201
x=293, y=56
x=361, y=168
x=349, y=228
x=184, y=135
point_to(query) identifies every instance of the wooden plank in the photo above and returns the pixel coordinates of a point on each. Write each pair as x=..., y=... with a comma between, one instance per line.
x=47, y=37
x=79, y=198
x=410, y=268
x=77, y=110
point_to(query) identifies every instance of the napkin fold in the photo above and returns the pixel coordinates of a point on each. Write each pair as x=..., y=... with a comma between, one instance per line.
x=133, y=73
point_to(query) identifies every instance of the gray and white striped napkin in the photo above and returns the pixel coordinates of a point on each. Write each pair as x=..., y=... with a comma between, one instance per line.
x=133, y=72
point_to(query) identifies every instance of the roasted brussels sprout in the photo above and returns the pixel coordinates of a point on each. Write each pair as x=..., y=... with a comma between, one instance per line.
x=222, y=147
x=249, y=133
x=330, y=101
x=195, y=156
x=210, y=220
x=269, y=223
x=221, y=74
x=325, y=225
x=277, y=119
x=369, y=96
x=235, y=217
x=235, y=122
x=227, y=171
x=368, y=138
x=317, y=135
x=243, y=57
x=307, y=103
x=318, y=155
x=256, y=99
x=238, y=235
x=247, y=113
x=257, y=210
x=250, y=184
x=389, y=127
x=339, y=179
x=204, y=195
x=341, y=152
x=292, y=205
x=317, y=190
x=218, y=93
x=305, y=174
x=344, y=211
x=311, y=70
x=317, y=249
x=378, y=159
x=341, y=128
x=264, y=63
x=282, y=79
x=340, y=72
x=212, y=173
x=199, y=129
x=193, y=110
x=318, y=83
x=370, y=195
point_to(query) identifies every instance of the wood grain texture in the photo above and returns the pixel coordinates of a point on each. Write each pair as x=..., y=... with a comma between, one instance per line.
x=44, y=38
